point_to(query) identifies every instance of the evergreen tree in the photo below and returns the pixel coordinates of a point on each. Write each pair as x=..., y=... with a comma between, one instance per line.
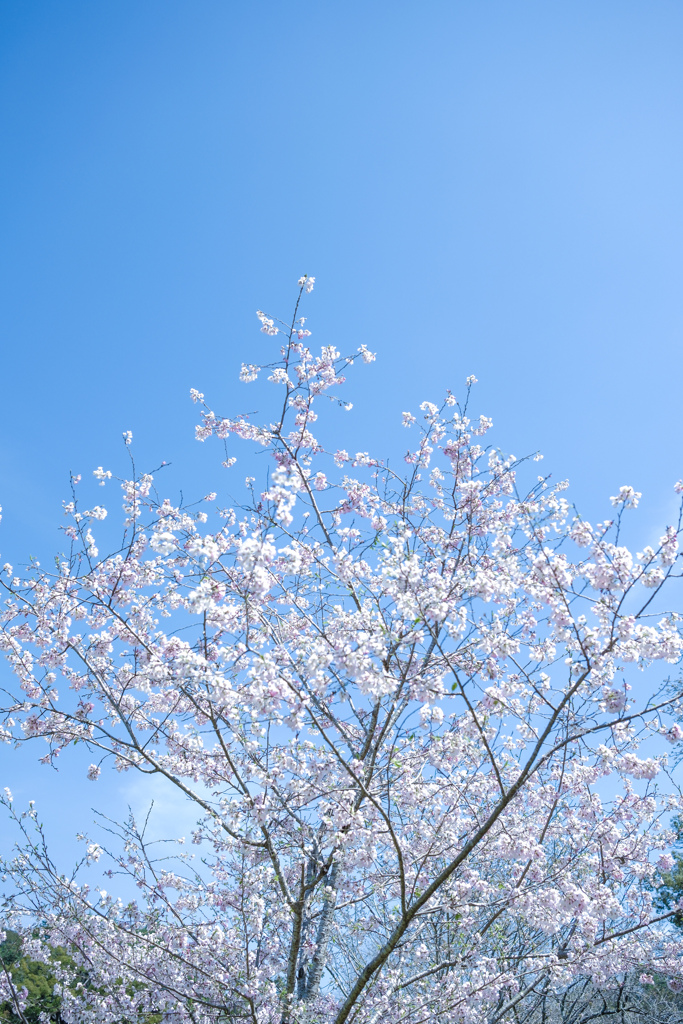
x=37, y=978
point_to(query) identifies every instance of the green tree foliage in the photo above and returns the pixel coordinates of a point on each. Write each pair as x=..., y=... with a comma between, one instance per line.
x=670, y=885
x=10, y=949
x=37, y=978
x=39, y=981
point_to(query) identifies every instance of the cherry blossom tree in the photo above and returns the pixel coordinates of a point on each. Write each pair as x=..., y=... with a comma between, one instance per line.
x=414, y=711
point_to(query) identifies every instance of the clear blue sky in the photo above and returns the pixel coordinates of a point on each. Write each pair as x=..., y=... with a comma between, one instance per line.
x=479, y=186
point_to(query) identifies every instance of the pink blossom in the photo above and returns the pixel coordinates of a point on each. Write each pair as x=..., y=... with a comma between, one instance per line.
x=627, y=496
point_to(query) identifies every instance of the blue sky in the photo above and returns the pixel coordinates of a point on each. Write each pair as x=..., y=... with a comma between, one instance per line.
x=479, y=187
